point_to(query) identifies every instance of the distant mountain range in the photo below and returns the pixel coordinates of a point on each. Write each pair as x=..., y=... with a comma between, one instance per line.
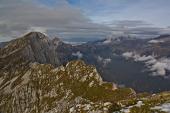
x=124, y=60
x=39, y=75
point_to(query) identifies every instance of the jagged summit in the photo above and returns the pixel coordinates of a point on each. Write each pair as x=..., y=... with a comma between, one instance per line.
x=35, y=35
x=26, y=40
x=32, y=47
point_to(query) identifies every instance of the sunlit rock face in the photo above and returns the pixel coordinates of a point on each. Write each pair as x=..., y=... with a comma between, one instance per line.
x=40, y=88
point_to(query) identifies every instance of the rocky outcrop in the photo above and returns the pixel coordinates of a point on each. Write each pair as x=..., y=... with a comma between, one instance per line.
x=41, y=88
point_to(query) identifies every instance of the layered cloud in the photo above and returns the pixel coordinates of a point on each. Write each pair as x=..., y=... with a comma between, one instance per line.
x=159, y=67
x=20, y=16
x=75, y=19
x=155, y=12
x=137, y=28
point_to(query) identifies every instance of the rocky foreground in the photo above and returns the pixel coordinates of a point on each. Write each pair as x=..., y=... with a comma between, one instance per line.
x=42, y=88
x=31, y=82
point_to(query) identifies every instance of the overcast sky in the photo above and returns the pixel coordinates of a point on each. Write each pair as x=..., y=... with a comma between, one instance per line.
x=84, y=18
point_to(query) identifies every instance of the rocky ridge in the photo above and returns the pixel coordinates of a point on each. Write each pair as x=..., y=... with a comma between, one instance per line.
x=30, y=83
x=41, y=88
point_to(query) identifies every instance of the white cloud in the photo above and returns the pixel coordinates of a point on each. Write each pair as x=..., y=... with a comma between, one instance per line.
x=136, y=28
x=156, y=41
x=156, y=12
x=20, y=16
x=65, y=20
x=128, y=55
x=99, y=58
x=105, y=61
x=144, y=58
x=107, y=41
x=78, y=54
x=38, y=29
x=159, y=67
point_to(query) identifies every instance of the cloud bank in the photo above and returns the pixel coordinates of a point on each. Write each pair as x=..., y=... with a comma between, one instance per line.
x=20, y=16
x=66, y=19
x=159, y=67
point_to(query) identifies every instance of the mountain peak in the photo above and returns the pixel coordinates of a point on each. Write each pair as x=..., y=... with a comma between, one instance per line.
x=36, y=35
x=32, y=47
